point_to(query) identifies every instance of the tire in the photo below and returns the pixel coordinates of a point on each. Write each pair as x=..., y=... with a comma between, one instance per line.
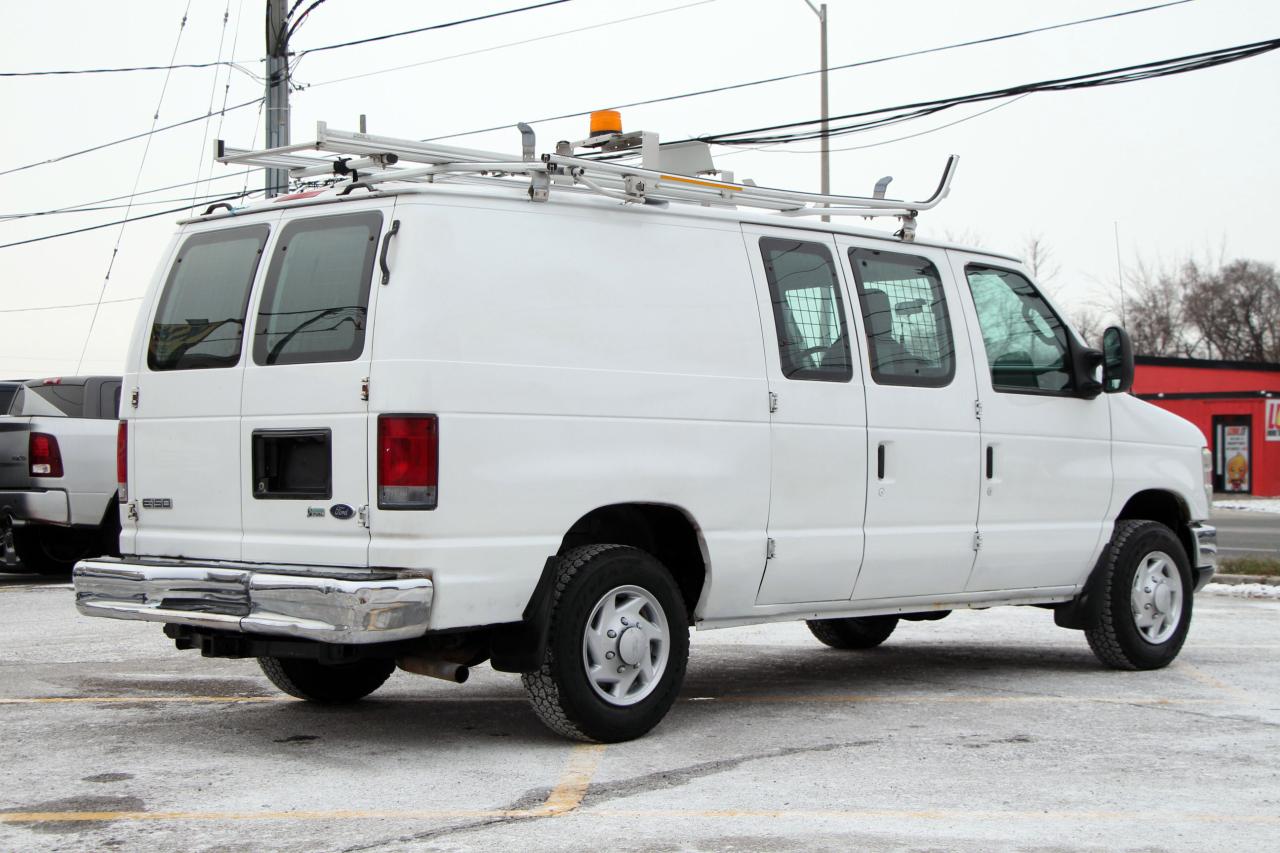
x=858, y=632
x=327, y=684
x=573, y=691
x=48, y=551
x=1142, y=610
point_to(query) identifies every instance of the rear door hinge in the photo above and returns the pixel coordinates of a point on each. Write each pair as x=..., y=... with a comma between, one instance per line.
x=977, y=409
x=133, y=398
x=364, y=389
x=773, y=402
x=362, y=515
x=770, y=549
x=977, y=541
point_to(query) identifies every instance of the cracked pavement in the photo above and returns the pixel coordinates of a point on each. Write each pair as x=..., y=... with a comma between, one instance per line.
x=985, y=730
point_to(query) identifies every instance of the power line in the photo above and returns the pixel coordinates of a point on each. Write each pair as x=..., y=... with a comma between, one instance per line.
x=859, y=64
x=125, y=139
x=193, y=201
x=443, y=26
x=69, y=307
x=505, y=45
x=905, y=112
x=117, y=222
x=74, y=208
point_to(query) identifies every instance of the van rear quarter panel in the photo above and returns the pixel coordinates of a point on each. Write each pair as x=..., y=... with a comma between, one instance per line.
x=578, y=355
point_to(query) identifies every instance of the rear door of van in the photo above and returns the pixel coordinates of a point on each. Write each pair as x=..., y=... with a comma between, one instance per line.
x=304, y=430
x=183, y=395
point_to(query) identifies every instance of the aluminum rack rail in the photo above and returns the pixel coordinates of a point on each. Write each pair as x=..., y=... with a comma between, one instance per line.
x=370, y=159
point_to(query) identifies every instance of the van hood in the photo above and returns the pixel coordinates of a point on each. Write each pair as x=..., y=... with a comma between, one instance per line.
x=1139, y=421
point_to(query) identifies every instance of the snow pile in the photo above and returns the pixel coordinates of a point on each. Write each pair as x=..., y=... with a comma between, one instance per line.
x=1265, y=505
x=1243, y=590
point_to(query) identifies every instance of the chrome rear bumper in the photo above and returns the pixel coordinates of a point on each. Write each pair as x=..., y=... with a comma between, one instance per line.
x=324, y=604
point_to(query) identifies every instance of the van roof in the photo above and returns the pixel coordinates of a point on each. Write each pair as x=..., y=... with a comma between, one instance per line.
x=575, y=197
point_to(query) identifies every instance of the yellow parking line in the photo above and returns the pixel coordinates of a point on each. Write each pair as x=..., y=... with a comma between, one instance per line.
x=1196, y=674
x=674, y=814
x=567, y=795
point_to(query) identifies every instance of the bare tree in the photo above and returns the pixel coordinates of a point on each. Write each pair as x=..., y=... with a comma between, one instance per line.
x=1235, y=308
x=1151, y=308
x=1038, y=256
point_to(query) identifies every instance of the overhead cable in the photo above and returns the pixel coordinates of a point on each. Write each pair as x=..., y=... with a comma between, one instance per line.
x=878, y=60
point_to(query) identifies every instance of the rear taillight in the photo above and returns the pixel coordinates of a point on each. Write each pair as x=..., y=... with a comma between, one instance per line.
x=408, y=461
x=43, y=455
x=122, y=462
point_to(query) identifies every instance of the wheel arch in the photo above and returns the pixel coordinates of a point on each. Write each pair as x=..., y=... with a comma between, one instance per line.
x=666, y=531
x=1163, y=506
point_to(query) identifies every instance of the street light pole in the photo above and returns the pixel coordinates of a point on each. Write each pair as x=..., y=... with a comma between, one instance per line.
x=821, y=12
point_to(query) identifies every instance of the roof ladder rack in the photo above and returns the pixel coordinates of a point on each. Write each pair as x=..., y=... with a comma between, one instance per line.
x=373, y=160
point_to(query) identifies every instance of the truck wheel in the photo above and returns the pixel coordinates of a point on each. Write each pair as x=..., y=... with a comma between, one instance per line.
x=1143, y=608
x=327, y=684
x=47, y=552
x=858, y=632
x=617, y=646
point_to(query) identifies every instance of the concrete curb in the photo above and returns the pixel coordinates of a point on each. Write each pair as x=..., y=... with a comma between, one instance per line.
x=1269, y=580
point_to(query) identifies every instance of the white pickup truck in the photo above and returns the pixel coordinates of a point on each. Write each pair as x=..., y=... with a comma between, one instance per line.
x=57, y=472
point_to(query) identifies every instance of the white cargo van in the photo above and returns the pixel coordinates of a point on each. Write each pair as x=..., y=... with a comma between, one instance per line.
x=551, y=412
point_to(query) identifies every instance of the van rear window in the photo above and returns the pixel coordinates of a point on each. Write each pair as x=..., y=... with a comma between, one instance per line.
x=200, y=320
x=317, y=291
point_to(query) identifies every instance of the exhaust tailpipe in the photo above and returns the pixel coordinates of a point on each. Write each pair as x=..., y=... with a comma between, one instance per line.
x=455, y=672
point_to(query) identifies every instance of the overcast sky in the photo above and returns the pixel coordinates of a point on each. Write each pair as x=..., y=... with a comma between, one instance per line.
x=1185, y=166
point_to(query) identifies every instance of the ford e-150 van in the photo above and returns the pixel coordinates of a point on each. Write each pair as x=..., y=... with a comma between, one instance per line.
x=551, y=412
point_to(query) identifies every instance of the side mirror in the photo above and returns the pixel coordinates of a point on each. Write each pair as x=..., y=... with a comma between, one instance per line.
x=1085, y=363
x=1117, y=361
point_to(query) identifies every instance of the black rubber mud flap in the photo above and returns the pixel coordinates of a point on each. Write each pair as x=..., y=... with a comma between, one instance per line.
x=520, y=646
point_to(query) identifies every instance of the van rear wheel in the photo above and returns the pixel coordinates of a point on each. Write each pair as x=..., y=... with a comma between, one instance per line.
x=327, y=684
x=617, y=647
x=857, y=632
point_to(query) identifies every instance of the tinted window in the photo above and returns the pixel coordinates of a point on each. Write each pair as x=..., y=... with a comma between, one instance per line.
x=1026, y=343
x=807, y=310
x=905, y=315
x=200, y=320
x=317, y=292
x=59, y=401
x=7, y=393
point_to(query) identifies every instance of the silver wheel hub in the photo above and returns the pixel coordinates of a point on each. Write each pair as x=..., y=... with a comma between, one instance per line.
x=625, y=645
x=1156, y=597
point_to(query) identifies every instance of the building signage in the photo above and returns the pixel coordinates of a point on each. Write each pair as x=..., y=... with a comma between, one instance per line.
x=1235, y=445
x=1273, y=420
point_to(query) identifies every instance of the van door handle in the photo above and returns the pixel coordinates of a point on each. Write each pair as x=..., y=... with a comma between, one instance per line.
x=880, y=462
x=991, y=461
x=386, y=244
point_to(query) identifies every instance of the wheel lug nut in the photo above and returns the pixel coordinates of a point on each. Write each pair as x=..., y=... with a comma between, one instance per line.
x=608, y=655
x=622, y=669
x=613, y=634
x=624, y=621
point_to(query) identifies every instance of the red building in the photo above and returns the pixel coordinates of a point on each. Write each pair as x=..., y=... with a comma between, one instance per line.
x=1236, y=404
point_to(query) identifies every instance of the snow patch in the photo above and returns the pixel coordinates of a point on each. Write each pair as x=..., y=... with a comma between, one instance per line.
x=1266, y=505
x=1243, y=590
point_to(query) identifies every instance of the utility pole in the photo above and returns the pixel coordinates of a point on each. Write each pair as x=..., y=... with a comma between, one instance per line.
x=277, y=104
x=821, y=12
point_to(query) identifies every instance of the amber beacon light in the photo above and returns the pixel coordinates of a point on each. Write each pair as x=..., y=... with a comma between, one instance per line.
x=606, y=121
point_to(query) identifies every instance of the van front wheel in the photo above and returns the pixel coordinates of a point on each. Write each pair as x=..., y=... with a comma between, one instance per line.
x=617, y=646
x=1143, y=608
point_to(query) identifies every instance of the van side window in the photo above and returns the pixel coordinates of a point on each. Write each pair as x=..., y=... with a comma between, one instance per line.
x=807, y=310
x=314, y=302
x=905, y=314
x=200, y=319
x=1026, y=343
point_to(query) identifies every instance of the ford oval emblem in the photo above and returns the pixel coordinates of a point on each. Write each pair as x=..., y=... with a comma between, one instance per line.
x=341, y=511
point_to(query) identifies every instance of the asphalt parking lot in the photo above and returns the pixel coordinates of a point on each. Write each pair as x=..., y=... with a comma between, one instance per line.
x=987, y=730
